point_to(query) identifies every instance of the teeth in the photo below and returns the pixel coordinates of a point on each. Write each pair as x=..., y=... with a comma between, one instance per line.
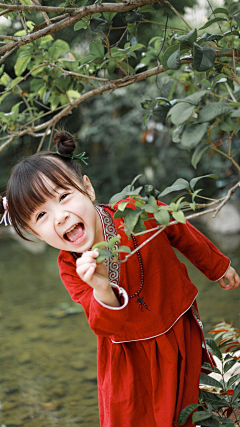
x=70, y=229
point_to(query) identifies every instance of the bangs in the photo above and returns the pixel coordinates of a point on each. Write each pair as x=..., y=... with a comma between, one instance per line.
x=28, y=188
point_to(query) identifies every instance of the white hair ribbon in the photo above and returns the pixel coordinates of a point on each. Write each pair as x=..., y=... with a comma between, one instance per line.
x=5, y=218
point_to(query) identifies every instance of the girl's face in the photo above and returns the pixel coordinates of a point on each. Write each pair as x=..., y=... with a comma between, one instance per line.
x=68, y=220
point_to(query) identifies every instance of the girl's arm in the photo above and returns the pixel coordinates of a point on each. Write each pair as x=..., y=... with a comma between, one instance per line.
x=203, y=254
x=104, y=318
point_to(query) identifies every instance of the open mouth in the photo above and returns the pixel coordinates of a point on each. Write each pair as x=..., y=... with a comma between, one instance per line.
x=76, y=233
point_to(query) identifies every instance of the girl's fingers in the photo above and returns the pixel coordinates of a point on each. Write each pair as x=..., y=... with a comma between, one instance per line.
x=84, y=268
x=233, y=281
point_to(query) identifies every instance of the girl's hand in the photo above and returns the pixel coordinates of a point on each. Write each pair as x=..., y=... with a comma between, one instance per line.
x=233, y=279
x=96, y=276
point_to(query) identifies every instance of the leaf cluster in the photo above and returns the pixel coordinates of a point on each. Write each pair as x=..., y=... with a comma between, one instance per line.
x=219, y=400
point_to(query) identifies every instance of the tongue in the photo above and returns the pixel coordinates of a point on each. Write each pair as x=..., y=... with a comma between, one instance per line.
x=76, y=233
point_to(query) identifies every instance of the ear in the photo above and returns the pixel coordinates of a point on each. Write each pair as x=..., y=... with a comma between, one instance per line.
x=89, y=188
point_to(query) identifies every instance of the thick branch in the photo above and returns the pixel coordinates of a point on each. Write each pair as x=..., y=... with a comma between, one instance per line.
x=80, y=13
x=113, y=85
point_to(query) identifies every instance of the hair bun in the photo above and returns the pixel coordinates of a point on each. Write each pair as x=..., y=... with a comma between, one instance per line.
x=64, y=143
x=2, y=210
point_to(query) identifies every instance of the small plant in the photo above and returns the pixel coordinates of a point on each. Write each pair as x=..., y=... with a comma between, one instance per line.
x=219, y=399
x=109, y=249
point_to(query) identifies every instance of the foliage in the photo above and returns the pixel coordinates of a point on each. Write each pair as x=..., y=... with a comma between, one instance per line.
x=50, y=80
x=219, y=400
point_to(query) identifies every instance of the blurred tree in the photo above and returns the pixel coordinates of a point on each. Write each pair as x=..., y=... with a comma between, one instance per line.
x=193, y=88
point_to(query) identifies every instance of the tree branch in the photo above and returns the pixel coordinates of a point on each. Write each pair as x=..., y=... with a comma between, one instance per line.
x=125, y=81
x=192, y=216
x=76, y=15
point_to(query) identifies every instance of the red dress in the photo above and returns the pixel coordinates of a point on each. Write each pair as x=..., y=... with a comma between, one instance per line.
x=149, y=348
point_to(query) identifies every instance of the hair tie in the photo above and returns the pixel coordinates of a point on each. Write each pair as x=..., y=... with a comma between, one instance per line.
x=75, y=156
x=5, y=218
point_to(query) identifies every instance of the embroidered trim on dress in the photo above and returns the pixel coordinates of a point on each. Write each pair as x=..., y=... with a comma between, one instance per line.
x=196, y=315
x=110, y=231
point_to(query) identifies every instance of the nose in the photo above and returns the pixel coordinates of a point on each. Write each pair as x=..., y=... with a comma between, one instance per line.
x=60, y=216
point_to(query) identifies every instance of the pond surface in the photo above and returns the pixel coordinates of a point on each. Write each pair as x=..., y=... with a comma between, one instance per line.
x=47, y=357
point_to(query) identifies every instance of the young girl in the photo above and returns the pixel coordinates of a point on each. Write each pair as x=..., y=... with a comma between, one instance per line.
x=143, y=311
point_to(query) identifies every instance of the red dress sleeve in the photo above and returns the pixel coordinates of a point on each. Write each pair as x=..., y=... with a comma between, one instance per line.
x=198, y=249
x=103, y=320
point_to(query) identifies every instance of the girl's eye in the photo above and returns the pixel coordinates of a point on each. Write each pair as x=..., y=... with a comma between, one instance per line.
x=63, y=196
x=39, y=216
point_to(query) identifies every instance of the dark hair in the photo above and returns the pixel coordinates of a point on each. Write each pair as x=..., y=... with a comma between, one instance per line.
x=2, y=210
x=27, y=188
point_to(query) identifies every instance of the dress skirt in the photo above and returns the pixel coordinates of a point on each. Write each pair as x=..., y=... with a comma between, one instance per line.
x=147, y=383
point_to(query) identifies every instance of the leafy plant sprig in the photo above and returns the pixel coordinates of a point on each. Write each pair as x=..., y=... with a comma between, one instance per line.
x=147, y=207
x=219, y=400
x=109, y=249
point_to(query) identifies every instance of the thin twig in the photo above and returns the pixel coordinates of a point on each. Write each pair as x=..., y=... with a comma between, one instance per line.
x=177, y=13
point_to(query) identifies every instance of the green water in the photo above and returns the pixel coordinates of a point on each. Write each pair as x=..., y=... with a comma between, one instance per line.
x=48, y=359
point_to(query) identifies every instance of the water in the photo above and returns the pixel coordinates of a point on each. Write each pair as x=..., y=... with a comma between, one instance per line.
x=48, y=359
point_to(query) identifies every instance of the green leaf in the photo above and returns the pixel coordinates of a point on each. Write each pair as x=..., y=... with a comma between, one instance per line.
x=235, y=113
x=97, y=49
x=103, y=253
x=237, y=18
x=122, y=206
x=73, y=94
x=196, y=97
x=207, y=380
x=181, y=112
x=226, y=124
x=193, y=134
x=213, y=399
x=36, y=84
x=99, y=24
x=236, y=393
x=147, y=8
x=184, y=414
x=191, y=37
x=199, y=151
x=220, y=10
x=15, y=110
x=212, y=21
x=109, y=15
x=161, y=111
x=21, y=64
x=232, y=380
x=131, y=187
x=179, y=184
x=58, y=47
x=213, y=110
x=162, y=217
x=5, y=79
x=46, y=96
x=132, y=218
x=168, y=52
x=177, y=133
x=211, y=344
x=229, y=364
x=173, y=61
x=46, y=39
x=179, y=216
x=200, y=416
x=151, y=205
x=203, y=57
x=82, y=24
x=124, y=249
x=192, y=183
